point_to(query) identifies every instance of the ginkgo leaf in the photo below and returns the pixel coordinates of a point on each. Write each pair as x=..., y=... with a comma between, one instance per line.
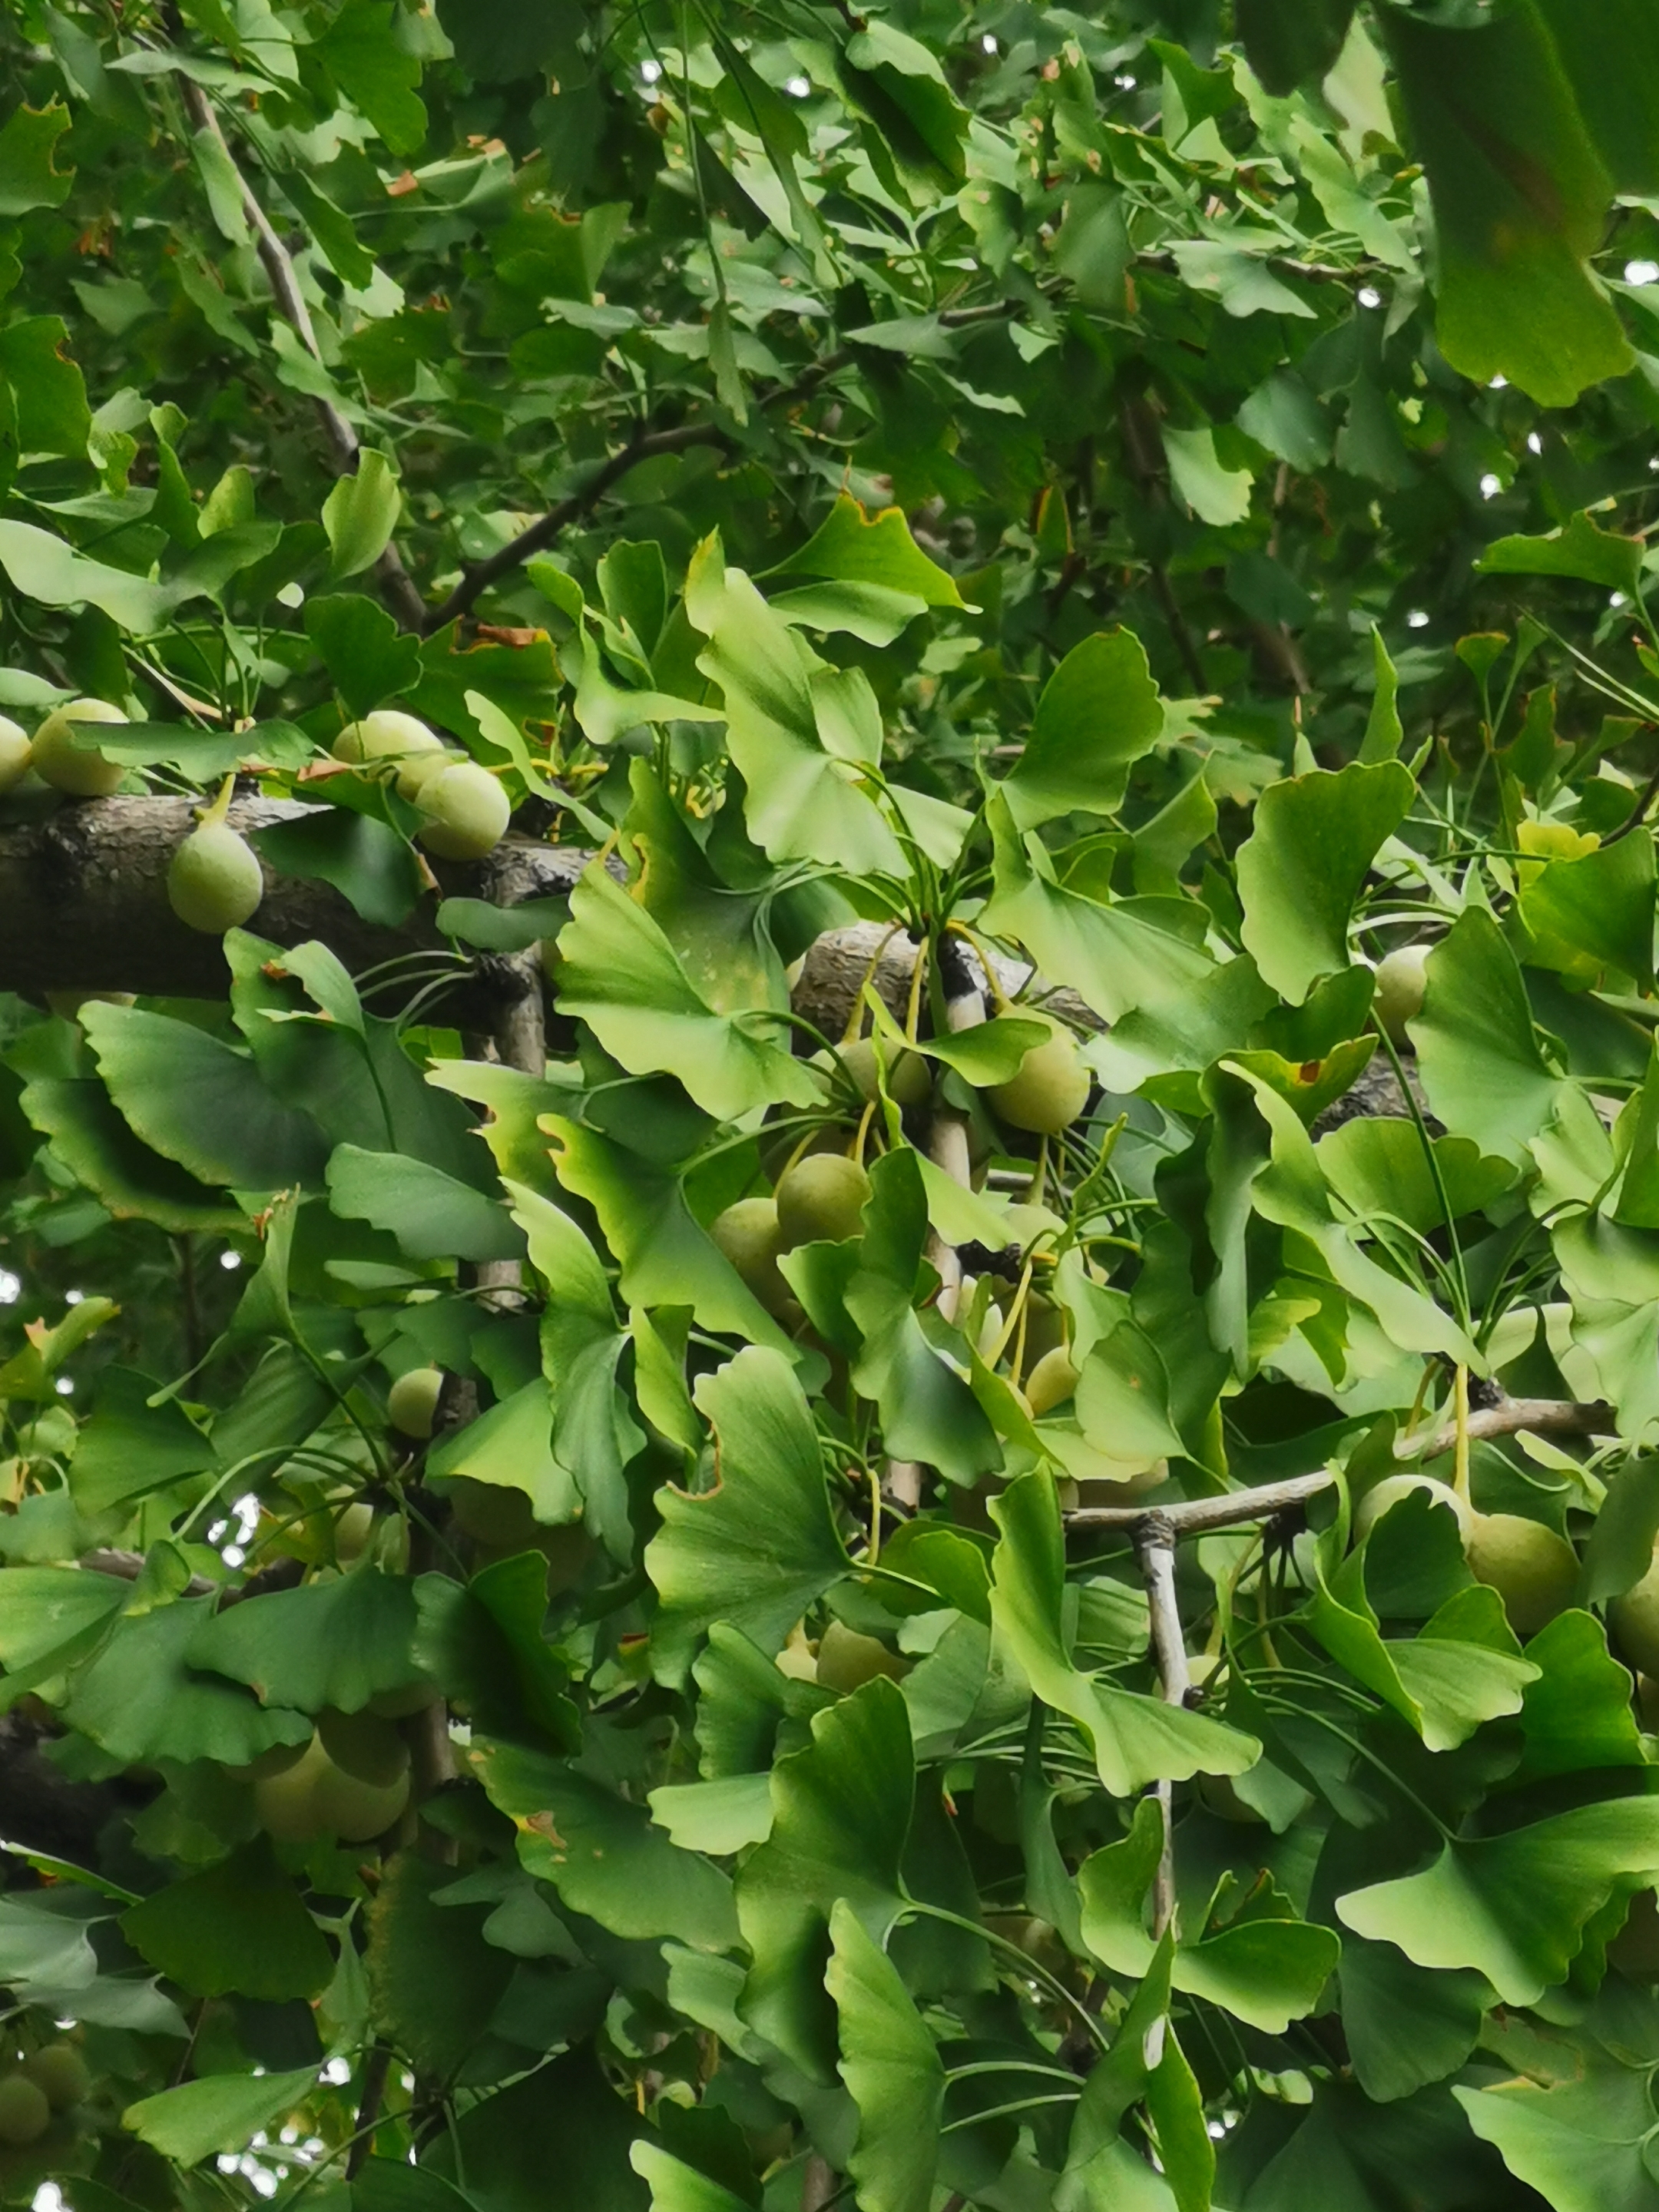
x=1513, y=1905
x=1136, y=1739
x=842, y=1815
x=760, y=1547
x=622, y=976
x=892, y=2070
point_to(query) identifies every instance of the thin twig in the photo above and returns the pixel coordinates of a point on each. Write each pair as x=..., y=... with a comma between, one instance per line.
x=396, y=582
x=1556, y=1416
x=127, y=1566
x=368, y=2108
x=1196, y=1516
x=648, y=445
x=1155, y=1544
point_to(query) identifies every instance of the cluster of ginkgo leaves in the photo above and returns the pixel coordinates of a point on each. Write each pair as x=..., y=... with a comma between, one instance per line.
x=1078, y=737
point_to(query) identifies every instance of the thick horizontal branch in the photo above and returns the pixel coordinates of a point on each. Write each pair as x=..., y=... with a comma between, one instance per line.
x=1543, y=1417
x=83, y=905
x=1197, y=1516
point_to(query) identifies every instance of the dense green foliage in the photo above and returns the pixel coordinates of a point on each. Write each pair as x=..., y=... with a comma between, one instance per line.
x=546, y=1664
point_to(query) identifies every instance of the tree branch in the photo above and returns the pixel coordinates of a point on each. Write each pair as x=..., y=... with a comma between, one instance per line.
x=1549, y=1417
x=648, y=446
x=397, y=585
x=83, y=906
x=1196, y=1516
x=1155, y=1543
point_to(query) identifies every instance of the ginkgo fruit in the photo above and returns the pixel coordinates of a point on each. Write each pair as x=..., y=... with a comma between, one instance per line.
x=750, y=1235
x=316, y=1798
x=276, y=1760
x=1051, y=1382
x=466, y=812
x=82, y=772
x=411, y=1403
x=214, y=881
x=15, y=755
x=1397, y=997
x=1049, y=1088
x=909, y=1078
x=284, y=1802
x=1533, y=1570
x=352, y=1530
x=60, y=2073
x=821, y=1201
x=848, y=1660
x=384, y=737
x=356, y=1811
x=25, y=2114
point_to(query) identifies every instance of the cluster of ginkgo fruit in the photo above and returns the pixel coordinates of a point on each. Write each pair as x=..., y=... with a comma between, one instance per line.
x=820, y=1185
x=35, y=2087
x=214, y=880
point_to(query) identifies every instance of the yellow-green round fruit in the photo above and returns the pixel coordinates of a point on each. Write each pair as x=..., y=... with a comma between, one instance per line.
x=1051, y=1382
x=411, y=1403
x=1635, y=1622
x=356, y=1811
x=352, y=1530
x=285, y=1802
x=25, y=2115
x=363, y=1746
x=67, y=766
x=1533, y=1570
x=750, y=1235
x=414, y=774
x=846, y=1660
x=214, y=881
x=1397, y=997
x=466, y=812
x=1050, y=1087
x=1045, y=1329
x=821, y=1199
x=909, y=1078
x=492, y=1513
x=385, y=735
x=1382, y=1495
x=15, y=754
x=60, y=2074
x=276, y=1760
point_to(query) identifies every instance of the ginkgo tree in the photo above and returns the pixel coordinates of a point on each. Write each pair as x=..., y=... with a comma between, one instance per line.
x=829, y=1124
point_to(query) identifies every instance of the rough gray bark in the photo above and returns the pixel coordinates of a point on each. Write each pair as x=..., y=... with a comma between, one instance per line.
x=83, y=906
x=834, y=970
